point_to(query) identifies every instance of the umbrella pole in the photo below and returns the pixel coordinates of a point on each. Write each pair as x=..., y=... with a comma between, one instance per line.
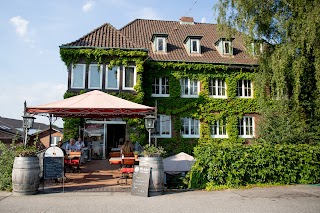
x=50, y=127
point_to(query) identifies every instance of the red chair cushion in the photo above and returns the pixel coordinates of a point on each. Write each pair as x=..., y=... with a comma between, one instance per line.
x=127, y=170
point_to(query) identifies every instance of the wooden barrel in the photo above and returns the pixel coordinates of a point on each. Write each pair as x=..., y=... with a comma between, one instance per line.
x=156, y=175
x=25, y=175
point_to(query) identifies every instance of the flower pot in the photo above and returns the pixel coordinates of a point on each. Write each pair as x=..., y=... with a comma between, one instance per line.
x=25, y=175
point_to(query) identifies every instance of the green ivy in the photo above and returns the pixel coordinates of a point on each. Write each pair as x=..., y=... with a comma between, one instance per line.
x=206, y=109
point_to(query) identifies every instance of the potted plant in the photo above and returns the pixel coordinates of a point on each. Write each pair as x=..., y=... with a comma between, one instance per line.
x=153, y=151
x=26, y=169
x=136, y=154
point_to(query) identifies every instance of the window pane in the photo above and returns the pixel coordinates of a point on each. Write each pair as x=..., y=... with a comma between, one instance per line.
x=194, y=46
x=95, y=76
x=129, y=77
x=78, y=76
x=155, y=86
x=160, y=44
x=226, y=47
x=239, y=88
x=112, y=77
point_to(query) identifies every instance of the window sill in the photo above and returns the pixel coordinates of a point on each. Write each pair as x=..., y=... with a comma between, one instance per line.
x=245, y=136
x=189, y=96
x=190, y=136
x=215, y=96
x=219, y=136
x=160, y=95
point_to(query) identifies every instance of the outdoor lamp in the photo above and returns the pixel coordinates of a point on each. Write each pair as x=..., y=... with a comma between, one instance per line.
x=26, y=125
x=149, y=124
x=27, y=121
x=149, y=121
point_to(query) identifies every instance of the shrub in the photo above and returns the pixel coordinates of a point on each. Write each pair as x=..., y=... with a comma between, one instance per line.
x=7, y=155
x=239, y=165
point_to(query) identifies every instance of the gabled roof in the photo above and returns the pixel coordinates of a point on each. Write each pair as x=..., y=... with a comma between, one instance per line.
x=138, y=35
x=13, y=125
x=105, y=36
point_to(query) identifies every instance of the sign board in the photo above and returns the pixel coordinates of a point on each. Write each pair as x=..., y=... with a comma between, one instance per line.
x=53, y=163
x=140, y=181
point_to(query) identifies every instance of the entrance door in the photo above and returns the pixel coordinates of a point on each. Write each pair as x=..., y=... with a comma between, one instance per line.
x=115, y=135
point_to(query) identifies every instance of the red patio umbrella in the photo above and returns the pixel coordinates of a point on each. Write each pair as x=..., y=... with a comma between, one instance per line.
x=94, y=104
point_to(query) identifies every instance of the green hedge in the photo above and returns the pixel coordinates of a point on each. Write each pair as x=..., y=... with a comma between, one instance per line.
x=240, y=165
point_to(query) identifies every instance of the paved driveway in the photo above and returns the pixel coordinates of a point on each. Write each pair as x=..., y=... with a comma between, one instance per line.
x=299, y=198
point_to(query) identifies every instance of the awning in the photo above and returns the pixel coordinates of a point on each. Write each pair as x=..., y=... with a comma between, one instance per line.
x=94, y=104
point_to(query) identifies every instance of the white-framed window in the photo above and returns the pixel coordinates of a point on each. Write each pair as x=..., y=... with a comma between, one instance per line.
x=217, y=88
x=112, y=77
x=129, y=77
x=78, y=72
x=244, y=89
x=190, y=128
x=95, y=76
x=227, y=47
x=189, y=88
x=160, y=87
x=162, y=127
x=55, y=140
x=246, y=127
x=257, y=48
x=219, y=129
x=161, y=44
x=194, y=46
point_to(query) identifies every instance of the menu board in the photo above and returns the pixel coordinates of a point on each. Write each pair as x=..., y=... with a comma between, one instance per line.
x=53, y=167
x=140, y=181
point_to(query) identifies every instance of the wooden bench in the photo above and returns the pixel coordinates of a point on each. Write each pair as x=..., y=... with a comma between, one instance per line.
x=72, y=160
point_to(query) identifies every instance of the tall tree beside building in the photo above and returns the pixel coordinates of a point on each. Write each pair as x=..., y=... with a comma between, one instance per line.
x=289, y=72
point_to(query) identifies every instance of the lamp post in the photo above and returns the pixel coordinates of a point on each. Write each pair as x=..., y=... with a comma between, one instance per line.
x=26, y=125
x=149, y=124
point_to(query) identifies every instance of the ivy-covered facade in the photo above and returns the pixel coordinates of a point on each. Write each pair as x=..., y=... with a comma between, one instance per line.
x=201, y=82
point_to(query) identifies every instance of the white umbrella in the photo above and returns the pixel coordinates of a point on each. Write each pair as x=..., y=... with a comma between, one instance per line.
x=178, y=163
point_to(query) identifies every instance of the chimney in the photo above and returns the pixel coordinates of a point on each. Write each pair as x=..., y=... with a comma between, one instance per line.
x=186, y=20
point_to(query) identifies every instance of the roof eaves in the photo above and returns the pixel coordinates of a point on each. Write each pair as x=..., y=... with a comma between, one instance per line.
x=105, y=48
x=214, y=63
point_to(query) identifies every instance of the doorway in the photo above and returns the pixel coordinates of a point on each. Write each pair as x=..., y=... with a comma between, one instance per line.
x=115, y=135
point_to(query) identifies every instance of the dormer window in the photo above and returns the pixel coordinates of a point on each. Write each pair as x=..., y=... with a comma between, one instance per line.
x=195, y=46
x=227, y=47
x=192, y=44
x=224, y=46
x=256, y=48
x=159, y=42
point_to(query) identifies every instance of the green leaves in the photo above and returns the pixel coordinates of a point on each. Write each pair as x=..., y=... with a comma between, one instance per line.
x=241, y=165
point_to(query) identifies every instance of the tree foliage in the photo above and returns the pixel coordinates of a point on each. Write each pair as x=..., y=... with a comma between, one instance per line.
x=289, y=73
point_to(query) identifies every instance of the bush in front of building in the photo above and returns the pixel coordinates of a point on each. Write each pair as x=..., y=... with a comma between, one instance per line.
x=7, y=155
x=235, y=165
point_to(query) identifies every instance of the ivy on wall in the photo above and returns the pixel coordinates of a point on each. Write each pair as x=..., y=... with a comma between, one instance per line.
x=112, y=57
x=204, y=108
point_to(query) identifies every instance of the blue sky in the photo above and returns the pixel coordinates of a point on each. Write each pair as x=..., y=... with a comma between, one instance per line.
x=32, y=31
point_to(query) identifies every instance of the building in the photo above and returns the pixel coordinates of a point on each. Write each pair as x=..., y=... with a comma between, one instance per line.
x=11, y=129
x=200, y=79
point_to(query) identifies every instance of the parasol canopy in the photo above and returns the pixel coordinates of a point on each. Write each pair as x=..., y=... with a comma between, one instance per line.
x=94, y=104
x=178, y=163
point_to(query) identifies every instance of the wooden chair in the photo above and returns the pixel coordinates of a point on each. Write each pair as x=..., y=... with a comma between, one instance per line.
x=127, y=169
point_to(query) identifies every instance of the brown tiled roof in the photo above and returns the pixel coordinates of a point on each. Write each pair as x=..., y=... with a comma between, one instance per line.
x=140, y=32
x=138, y=35
x=105, y=36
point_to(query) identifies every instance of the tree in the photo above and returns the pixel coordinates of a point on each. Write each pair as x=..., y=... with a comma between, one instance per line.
x=289, y=71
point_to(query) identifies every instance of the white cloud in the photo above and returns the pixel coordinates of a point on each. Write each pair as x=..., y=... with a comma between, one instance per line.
x=21, y=25
x=203, y=20
x=146, y=13
x=88, y=6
